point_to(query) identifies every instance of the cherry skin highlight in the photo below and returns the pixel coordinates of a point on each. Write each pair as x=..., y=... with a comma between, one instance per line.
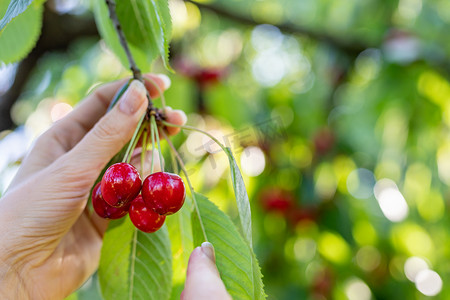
x=143, y=217
x=120, y=184
x=164, y=192
x=105, y=210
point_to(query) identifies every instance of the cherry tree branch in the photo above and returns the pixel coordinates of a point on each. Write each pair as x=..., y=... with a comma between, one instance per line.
x=348, y=46
x=137, y=74
x=123, y=41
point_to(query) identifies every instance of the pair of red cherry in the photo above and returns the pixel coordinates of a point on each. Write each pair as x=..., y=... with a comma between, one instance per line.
x=117, y=194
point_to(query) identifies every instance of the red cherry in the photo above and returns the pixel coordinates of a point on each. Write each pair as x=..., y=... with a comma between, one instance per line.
x=143, y=217
x=164, y=192
x=121, y=183
x=210, y=75
x=277, y=200
x=105, y=210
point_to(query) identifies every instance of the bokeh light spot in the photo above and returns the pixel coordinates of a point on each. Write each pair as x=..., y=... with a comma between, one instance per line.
x=7, y=73
x=368, y=258
x=334, y=248
x=266, y=37
x=253, y=161
x=305, y=249
x=194, y=144
x=413, y=266
x=391, y=201
x=356, y=289
x=300, y=156
x=364, y=233
x=360, y=183
x=412, y=239
x=429, y=282
x=60, y=110
x=326, y=182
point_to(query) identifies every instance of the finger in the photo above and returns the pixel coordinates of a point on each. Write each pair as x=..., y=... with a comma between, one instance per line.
x=57, y=201
x=100, y=224
x=162, y=81
x=67, y=132
x=72, y=128
x=202, y=278
x=75, y=125
x=177, y=117
x=107, y=137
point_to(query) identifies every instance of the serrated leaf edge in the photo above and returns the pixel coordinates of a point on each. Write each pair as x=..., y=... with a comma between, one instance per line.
x=31, y=43
x=258, y=291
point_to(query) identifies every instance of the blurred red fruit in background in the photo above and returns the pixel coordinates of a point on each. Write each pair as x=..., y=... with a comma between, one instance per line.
x=277, y=200
x=323, y=284
x=203, y=76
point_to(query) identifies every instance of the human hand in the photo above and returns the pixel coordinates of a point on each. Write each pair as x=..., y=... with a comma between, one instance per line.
x=50, y=243
x=202, y=278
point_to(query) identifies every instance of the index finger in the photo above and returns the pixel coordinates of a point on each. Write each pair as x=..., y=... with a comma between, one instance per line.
x=67, y=132
x=72, y=128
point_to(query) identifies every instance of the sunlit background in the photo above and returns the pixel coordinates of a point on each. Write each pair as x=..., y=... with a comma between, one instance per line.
x=337, y=111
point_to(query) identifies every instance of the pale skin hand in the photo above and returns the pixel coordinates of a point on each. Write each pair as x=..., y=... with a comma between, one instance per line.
x=49, y=242
x=203, y=280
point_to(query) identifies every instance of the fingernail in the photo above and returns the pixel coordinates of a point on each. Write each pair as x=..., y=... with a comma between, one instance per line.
x=208, y=250
x=133, y=97
x=165, y=79
x=182, y=115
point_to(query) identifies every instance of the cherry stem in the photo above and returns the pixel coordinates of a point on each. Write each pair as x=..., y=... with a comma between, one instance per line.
x=152, y=131
x=157, y=141
x=187, y=127
x=141, y=130
x=174, y=162
x=161, y=93
x=144, y=149
x=183, y=168
x=133, y=142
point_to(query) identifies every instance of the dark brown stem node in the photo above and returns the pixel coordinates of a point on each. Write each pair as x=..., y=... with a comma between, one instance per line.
x=157, y=113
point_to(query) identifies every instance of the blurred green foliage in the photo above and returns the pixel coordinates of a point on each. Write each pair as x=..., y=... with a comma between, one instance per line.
x=317, y=128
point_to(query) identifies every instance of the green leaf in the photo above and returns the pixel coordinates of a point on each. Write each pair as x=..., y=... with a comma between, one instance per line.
x=146, y=25
x=240, y=193
x=235, y=260
x=21, y=34
x=258, y=286
x=180, y=232
x=15, y=8
x=73, y=296
x=135, y=265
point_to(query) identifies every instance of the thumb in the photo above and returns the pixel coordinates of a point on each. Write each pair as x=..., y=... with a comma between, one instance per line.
x=110, y=133
x=202, y=278
x=51, y=201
